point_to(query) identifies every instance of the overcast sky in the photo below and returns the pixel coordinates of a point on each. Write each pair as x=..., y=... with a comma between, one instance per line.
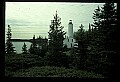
x=29, y=18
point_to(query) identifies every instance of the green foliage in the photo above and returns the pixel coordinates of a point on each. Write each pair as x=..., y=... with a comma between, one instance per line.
x=38, y=47
x=81, y=38
x=80, y=55
x=24, y=49
x=97, y=47
x=48, y=71
x=55, y=55
x=96, y=17
x=57, y=59
x=15, y=62
x=56, y=35
x=29, y=65
x=33, y=48
x=79, y=35
x=105, y=39
x=9, y=46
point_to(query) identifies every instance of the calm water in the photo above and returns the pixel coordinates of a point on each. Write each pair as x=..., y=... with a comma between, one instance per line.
x=18, y=46
x=25, y=33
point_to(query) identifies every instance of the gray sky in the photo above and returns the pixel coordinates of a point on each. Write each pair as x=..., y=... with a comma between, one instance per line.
x=29, y=18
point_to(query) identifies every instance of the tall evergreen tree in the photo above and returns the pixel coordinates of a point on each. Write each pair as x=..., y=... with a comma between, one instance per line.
x=96, y=34
x=55, y=55
x=56, y=35
x=9, y=46
x=24, y=48
x=81, y=38
x=96, y=17
x=109, y=25
x=106, y=36
x=109, y=31
x=33, y=47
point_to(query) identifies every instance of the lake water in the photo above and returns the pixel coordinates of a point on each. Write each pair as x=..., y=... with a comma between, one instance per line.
x=18, y=46
x=25, y=33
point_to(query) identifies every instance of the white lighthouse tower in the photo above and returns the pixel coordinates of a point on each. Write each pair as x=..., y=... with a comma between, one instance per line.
x=70, y=29
x=69, y=40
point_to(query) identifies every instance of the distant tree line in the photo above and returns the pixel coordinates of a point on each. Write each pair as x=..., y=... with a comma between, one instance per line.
x=97, y=46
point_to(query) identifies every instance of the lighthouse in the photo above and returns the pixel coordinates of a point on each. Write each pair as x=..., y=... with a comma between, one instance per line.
x=70, y=29
x=69, y=41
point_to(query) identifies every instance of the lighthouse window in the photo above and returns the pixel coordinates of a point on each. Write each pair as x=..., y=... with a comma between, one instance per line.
x=72, y=40
x=68, y=40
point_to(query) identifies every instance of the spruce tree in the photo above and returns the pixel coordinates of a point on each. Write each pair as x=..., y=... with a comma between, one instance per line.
x=109, y=26
x=109, y=31
x=55, y=54
x=9, y=46
x=56, y=35
x=24, y=49
x=96, y=17
x=31, y=51
x=81, y=38
x=33, y=47
x=106, y=37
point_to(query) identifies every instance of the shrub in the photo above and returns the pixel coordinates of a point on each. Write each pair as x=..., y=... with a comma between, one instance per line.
x=15, y=62
x=47, y=71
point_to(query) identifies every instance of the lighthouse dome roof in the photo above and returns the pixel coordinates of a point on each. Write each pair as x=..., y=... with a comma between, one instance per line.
x=70, y=21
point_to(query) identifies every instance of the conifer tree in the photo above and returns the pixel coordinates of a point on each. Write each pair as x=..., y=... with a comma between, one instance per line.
x=109, y=25
x=109, y=31
x=80, y=37
x=55, y=55
x=106, y=22
x=96, y=17
x=33, y=47
x=56, y=35
x=9, y=46
x=24, y=48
